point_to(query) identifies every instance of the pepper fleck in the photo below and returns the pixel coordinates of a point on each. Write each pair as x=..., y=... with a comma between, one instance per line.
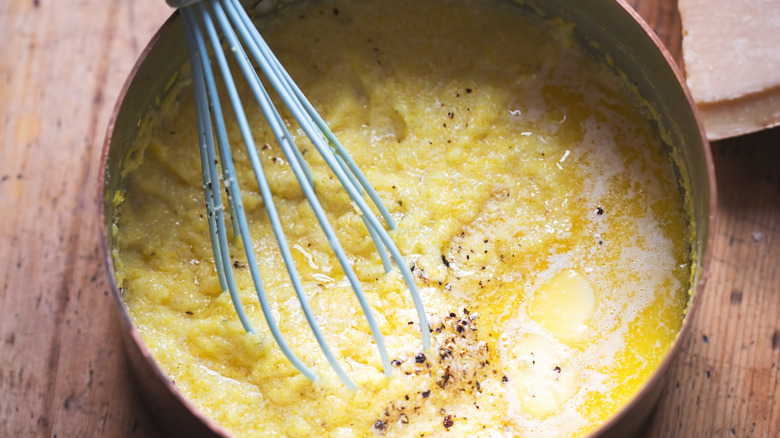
x=419, y=358
x=448, y=421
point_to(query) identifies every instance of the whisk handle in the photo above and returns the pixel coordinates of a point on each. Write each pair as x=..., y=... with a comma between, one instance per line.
x=181, y=3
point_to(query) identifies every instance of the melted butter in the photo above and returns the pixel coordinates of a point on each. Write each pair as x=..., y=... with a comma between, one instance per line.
x=564, y=305
x=532, y=198
x=540, y=374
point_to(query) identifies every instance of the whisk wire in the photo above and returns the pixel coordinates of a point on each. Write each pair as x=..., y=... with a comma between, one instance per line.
x=276, y=224
x=211, y=184
x=303, y=112
x=287, y=144
x=211, y=124
x=266, y=57
x=205, y=136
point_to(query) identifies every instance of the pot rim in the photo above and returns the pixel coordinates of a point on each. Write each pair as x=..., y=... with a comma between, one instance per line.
x=659, y=374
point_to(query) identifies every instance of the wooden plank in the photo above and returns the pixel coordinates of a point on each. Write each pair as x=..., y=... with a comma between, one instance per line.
x=726, y=381
x=62, y=65
x=62, y=368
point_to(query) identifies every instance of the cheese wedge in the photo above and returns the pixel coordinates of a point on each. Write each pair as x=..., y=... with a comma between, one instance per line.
x=731, y=50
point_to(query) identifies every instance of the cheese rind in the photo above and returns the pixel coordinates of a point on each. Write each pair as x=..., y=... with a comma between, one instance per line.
x=741, y=116
x=731, y=50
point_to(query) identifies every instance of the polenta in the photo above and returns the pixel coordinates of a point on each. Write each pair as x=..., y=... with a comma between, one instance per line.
x=537, y=208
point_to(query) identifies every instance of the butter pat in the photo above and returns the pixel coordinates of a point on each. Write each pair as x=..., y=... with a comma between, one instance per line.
x=563, y=306
x=541, y=375
x=731, y=50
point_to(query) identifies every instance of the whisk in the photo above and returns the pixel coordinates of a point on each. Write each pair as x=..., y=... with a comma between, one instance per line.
x=206, y=20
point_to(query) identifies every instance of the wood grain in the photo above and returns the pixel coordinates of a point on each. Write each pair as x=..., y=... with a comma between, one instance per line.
x=726, y=381
x=62, y=368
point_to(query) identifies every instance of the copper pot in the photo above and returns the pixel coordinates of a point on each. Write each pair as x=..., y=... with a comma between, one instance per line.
x=610, y=29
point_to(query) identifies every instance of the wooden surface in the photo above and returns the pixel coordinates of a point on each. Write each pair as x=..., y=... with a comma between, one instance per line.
x=62, y=367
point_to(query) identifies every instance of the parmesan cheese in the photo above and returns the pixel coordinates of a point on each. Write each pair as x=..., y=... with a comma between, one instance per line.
x=731, y=50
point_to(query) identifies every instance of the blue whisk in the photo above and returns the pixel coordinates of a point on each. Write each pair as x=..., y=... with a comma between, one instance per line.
x=205, y=20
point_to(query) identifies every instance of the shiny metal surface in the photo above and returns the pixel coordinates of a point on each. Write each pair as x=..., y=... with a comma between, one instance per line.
x=610, y=29
x=150, y=78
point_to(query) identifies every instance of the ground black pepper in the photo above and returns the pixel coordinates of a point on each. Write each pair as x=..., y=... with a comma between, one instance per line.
x=380, y=425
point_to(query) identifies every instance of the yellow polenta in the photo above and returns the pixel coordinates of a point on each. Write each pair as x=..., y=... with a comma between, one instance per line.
x=542, y=218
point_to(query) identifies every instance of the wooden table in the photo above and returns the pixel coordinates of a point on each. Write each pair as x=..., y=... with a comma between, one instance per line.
x=62, y=367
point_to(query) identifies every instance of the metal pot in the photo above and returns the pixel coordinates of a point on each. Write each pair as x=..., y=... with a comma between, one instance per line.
x=610, y=29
